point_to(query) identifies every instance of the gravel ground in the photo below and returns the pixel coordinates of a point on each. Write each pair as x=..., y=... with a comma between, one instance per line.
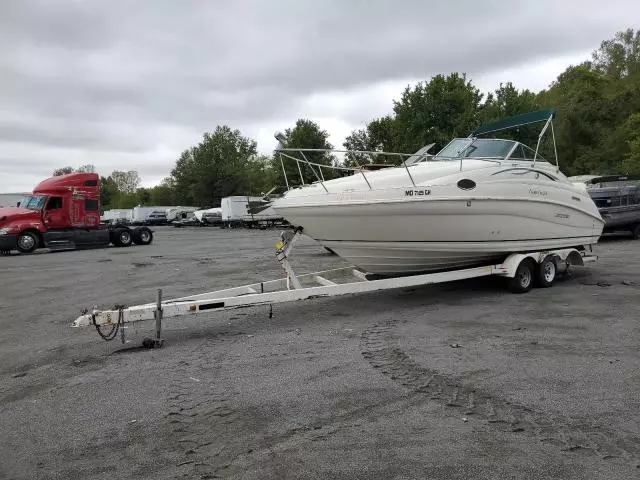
x=450, y=381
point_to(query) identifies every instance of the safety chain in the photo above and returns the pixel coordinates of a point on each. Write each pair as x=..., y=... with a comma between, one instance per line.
x=119, y=326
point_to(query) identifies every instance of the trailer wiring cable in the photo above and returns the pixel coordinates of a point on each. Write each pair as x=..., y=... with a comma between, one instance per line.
x=114, y=328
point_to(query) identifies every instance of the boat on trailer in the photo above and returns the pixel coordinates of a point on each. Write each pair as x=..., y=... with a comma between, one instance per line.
x=479, y=207
x=474, y=202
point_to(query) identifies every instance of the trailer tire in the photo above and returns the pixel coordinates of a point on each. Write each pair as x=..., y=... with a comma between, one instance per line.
x=523, y=279
x=142, y=236
x=27, y=242
x=546, y=272
x=636, y=231
x=122, y=237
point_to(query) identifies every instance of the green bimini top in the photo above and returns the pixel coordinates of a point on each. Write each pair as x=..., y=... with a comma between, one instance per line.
x=516, y=121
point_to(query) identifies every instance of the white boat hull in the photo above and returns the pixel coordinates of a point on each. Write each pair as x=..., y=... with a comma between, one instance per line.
x=438, y=232
x=402, y=258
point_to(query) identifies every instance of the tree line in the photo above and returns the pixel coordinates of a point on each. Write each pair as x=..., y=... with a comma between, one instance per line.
x=597, y=131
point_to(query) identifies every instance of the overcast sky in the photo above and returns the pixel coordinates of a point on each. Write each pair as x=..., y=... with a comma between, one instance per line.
x=126, y=84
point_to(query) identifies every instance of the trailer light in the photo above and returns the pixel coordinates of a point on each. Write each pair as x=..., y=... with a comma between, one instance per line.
x=4, y=231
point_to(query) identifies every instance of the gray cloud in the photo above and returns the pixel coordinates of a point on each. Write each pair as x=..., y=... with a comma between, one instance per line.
x=131, y=82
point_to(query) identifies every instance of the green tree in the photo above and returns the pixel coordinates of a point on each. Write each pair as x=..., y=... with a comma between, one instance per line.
x=260, y=175
x=380, y=135
x=108, y=193
x=506, y=101
x=127, y=182
x=62, y=171
x=436, y=111
x=305, y=134
x=358, y=141
x=120, y=190
x=631, y=162
x=143, y=196
x=88, y=168
x=217, y=167
x=579, y=96
x=162, y=194
x=595, y=102
x=620, y=56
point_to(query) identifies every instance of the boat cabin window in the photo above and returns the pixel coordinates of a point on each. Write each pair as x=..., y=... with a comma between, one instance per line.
x=478, y=148
x=54, y=203
x=519, y=154
x=522, y=152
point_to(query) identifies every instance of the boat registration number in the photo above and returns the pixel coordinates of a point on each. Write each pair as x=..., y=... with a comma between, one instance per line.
x=417, y=193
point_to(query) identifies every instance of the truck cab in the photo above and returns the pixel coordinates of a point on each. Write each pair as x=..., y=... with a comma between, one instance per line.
x=63, y=212
x=70, y=201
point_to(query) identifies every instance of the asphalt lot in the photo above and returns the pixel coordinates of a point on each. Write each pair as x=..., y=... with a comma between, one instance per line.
x=453, y=381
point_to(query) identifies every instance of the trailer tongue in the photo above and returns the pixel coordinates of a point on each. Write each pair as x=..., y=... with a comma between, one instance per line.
x=522, y=271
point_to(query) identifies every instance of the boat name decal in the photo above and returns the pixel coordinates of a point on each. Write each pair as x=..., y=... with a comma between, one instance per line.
x=542, y=193
x=562, y=215
x=412, y=193
x=577, y=199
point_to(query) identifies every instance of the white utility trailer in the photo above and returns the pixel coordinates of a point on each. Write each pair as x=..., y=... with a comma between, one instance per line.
x=522, y=270
x=237, y=211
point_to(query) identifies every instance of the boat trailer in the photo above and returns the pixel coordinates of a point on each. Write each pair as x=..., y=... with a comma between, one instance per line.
x=521, y=269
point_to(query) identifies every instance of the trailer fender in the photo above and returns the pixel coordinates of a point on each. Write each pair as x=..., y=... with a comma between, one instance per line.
x=574, y=258
x=568, y=256
x=510, y=265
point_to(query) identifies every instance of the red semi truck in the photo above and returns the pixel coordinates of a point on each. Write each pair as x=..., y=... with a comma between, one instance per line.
x=63, y=213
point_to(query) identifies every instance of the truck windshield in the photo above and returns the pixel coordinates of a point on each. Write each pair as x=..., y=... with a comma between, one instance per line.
x=33, y=202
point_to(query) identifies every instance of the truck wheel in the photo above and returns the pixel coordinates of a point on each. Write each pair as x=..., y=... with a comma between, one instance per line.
x=523, y=279
x=27, y=242
x=142, y=236
x=546, y=272
x=636, y=231
x=122, y=237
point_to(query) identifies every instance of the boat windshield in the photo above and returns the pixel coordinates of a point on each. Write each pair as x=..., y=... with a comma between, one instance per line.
x=477, y=148
x=33, y=202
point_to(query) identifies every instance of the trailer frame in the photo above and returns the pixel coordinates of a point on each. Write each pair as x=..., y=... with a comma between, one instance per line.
x=327, y=283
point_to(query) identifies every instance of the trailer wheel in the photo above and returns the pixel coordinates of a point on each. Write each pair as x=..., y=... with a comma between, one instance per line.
x=546, y=272
x=142, y=236
x=27, y=242
x=122, y=237
x=523, y=279
x=636, y=231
